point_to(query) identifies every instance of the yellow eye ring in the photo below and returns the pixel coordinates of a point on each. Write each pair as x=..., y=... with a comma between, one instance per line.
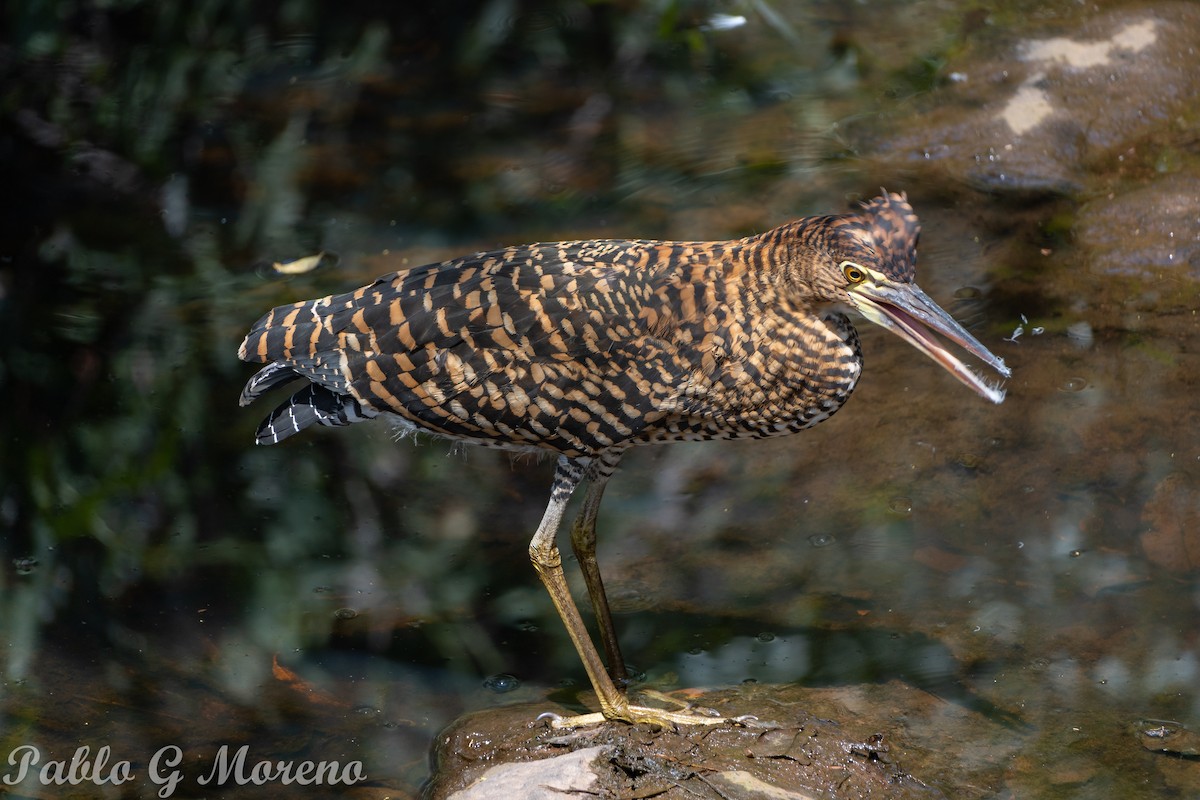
x=853, y=272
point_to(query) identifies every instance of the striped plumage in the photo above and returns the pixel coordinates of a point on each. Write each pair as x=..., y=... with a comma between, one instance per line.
x=587, y=348
x=574, y=347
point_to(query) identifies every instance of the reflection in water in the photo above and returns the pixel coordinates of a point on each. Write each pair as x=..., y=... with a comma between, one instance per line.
x=345, y=597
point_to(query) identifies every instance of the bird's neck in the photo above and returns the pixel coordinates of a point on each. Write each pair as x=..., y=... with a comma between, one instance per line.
x=772, y=263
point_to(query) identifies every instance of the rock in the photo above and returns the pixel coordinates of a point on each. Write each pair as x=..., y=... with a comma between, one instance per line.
x=741, y=785
x=545, y=779
x=1030, y=115
x=1148, y=232
x=868, y=741
x=1172, y=519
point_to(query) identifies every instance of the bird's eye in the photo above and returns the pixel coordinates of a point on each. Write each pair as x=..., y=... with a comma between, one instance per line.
x=853, y=272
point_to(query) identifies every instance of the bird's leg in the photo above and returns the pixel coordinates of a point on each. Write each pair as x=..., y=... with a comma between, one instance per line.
x=543, y=552
x=583, y=542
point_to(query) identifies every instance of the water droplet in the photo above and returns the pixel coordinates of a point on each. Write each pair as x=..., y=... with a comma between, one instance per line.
x=821, y=539
x=25, y=565
x=367, y=711
x=527, y=625
x=322, y=589
x=1073, y=385
x=1077, y=553
x=766, y=636
x=501, y=683
x=345, y=613
x=900, y=505
x=967, y=293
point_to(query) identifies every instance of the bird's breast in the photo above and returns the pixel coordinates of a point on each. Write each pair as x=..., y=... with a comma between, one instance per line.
x=784, y=375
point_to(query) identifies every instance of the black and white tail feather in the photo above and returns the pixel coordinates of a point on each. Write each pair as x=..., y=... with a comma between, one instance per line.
x=313, y=405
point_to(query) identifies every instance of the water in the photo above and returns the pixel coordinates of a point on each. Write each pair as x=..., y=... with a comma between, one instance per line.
x=167, y=583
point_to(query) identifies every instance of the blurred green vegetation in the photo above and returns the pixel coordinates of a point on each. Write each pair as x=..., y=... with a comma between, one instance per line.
x=160, y=156
x=160, y=151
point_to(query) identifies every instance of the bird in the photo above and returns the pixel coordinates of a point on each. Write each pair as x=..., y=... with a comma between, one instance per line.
x=587, y=349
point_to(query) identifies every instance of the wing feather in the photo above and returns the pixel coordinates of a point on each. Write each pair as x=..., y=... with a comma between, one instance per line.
x=563, y=345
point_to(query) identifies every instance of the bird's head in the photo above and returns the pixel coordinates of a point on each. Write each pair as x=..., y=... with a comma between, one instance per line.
x=868, y=262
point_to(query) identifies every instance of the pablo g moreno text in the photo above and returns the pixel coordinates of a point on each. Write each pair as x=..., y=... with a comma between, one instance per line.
x=228, y=768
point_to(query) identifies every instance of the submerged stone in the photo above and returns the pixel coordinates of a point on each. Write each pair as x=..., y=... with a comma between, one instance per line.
x=1149, y=232
x=1030, y=115
x=1171, y=520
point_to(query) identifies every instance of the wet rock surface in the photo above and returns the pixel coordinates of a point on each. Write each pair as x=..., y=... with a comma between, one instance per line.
x=1171, y=539
x=881, y=740
x=1152, y=231
x=1036, y=112
x=876, y=741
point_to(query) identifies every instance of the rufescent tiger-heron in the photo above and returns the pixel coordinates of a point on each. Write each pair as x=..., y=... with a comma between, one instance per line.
x=586, y=349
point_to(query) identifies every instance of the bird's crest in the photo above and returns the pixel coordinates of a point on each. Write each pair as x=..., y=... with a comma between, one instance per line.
x=892, y=225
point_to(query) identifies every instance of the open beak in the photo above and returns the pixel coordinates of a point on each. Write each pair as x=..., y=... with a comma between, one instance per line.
x=909, y=313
